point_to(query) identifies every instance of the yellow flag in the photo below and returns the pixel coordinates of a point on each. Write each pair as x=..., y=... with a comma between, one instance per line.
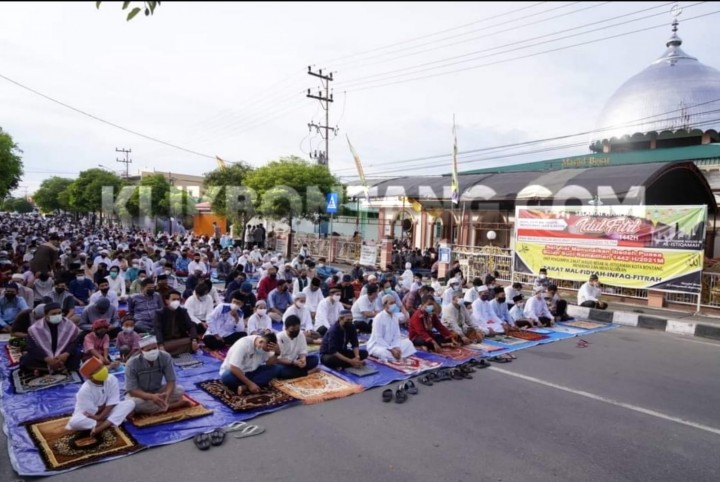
x=221, y=163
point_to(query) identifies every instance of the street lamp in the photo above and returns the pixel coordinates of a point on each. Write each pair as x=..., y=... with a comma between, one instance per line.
x=491, y=235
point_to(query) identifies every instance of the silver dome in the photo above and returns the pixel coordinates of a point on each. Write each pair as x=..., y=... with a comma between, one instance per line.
x=675, y=93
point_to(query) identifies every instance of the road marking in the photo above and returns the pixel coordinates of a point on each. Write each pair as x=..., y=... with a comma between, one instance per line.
x=716, y=345
x=592, y=396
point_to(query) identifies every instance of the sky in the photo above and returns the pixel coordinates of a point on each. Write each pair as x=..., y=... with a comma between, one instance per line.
x=230, y=80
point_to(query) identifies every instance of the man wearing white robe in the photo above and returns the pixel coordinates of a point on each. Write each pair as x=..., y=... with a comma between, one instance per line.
x=328, y=312
x=484, y=316
x=385, y=342
x=299, y=309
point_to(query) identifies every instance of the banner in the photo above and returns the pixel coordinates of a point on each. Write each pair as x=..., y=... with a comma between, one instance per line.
x=644, y=247
x=368, y=255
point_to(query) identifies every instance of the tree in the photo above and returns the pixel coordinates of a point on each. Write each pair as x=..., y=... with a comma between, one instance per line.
x=157, y=187
x=85, y=194
x=48, y=196
x=18, y=205
x=11, y=166
x=292, y=187
x=149, y=8
x=228, y=196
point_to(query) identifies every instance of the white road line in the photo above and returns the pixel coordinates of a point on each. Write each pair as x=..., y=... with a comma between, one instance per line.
x=592, y=396
x=716, y=345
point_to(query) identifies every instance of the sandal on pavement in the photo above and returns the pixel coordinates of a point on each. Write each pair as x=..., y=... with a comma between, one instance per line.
x=387, y=395
x=250, y=430
x=202, y=441
x=400, y=396
x=410, y=387
x=500, y=359
x=442, y=375
x=235, y=427
x=217, y=437
x=425, y=380
x=456, y=374
x=483, y=364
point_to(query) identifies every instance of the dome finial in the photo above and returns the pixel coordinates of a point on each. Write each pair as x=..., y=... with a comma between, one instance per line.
x=674, y=39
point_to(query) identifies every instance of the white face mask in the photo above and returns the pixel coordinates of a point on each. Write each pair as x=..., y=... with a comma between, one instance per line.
x=174, y=305
x=55, y=319
x=128, y=330
x=151, y=355
x=300, y=304
x=261, y=311
x=337, y=297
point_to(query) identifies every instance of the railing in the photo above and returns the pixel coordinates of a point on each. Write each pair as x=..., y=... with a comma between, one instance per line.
x=710, y=289
x=477, y=261
x=348, y=251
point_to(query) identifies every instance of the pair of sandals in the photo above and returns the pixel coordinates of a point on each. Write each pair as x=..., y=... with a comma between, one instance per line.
x=400, y=395
x=481, y=363
x=504, y=358
x=205, y=440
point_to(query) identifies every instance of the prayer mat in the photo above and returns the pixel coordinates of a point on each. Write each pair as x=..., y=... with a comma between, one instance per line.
x=585, y=325
x=217, y=354
x=567, y=329
x=195, y=410
x=61, y=450
x=507, y=340
x=27, y=382
x=460, y=353
x=529, y=336
x=186, y=360
x=317, y=387
x=268, y=397
x=485, y=347
x=313, y=348
x=14, y=353
x=411, y=365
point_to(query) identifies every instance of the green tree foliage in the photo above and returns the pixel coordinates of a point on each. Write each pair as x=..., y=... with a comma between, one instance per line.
x=11, y=166
x=17, y=205
x=48, y=197
x=228, y=197
x=151, y=193
x=291, y=187
x=85, y=194
x=149, y=8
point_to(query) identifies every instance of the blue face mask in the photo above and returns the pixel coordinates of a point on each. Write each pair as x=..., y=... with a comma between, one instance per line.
x=429, y=309
x=394, y=309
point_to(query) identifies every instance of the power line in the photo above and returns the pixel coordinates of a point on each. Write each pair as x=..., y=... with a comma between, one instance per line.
x=323, y=158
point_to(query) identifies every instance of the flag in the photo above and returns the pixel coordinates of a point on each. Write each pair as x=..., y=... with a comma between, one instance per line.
x=221, y=163
x=361, y=172
x=455, y=186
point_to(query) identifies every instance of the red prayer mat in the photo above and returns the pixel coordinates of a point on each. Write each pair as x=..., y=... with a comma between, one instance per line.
x=410, y=365
x=459, y=354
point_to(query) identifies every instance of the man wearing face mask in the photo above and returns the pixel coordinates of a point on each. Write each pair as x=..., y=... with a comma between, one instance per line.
x=197, y=265
x=293, y=361
x=334, y=352
x=314, y=296
x=536, y=310
x=453, y=287
x=259, y=322
x=385, y=341
x=517, y=312
x=144, y=377
x=426, y=331
x=501, y=310
x=199, y=307
x=100, y=310
x=589, y=294
x=457, y=319
x=267, y=284
x=387, y=290
x=117, y=283
x=42, y=286
x=81, y=288
x=175, y=332
x=52, y=343
x=366, y=308
x=97, y=403
x=299, y=309
x=328, y=311
x=279, y=300
x=472, y=294
x=250, y=363
x=104, y=291
x=10, y=306
x=542, y=280
x=484, y=316
x=143, y=307
x=226, y=324
x=63, y=297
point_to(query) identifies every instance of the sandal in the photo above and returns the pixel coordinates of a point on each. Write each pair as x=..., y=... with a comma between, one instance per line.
x=457, y=374
x=425, y=380
x=250, y=430
x=235, y=427
x=400, y=396
x=499, y=359
x=387, y=395
x=410, y=387
x=466, y=368
x=442, y=375
x=483, y=364
x=202, y=441
x=217, y=437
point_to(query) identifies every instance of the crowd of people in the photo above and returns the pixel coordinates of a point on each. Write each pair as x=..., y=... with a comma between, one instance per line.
x=71, y=289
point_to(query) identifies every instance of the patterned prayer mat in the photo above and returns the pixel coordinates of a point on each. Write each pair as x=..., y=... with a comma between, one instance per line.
x=585, y=325
x=410, y=366
x=268, y=397
x=313, y=348
x=529, y=336
x=485, y=347
x=195, y=410
x=27, y=382
x=459, y=354
x=317, y=387
x=60, y=449
x=14, y=353
x=507, y=340
x=217, y=354
x=186, y=360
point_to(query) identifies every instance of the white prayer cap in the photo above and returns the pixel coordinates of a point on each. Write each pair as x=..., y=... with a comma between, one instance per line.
x=267, y=266
x=300, y=296
x=387, y=298
x=273, y=260
x=17, y=277
x=482, y=288
x=372, y=277
x=408, y=266
x=538, y=289
x=147, y=341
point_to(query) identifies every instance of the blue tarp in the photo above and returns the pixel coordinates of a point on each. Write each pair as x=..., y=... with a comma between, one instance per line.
x=17, y=409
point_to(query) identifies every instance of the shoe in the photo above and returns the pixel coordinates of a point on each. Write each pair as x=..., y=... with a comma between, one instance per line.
x=202, y=441
x=217, y=437
x=387, y=395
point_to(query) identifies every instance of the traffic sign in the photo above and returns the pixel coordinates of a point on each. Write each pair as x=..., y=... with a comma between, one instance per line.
x=332, y=203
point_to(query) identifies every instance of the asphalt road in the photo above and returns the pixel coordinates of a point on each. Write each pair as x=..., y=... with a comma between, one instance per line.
x=636, y=405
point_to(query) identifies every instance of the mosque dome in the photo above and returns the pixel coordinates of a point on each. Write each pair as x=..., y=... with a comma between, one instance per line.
x=674, y=97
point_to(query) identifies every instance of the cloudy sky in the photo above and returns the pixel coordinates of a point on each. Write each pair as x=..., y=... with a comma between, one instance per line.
x=229, y=79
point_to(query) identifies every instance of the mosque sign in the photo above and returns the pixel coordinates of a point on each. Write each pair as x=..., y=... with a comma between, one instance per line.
x=644, y=247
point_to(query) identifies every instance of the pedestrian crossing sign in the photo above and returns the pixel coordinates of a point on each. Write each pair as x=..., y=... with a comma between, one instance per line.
x=332, y=203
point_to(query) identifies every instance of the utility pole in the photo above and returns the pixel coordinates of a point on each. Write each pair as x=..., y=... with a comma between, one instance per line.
x=323, y=158
x=127, y=161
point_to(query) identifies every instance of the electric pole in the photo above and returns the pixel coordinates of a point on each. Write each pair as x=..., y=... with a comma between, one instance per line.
x=323, y=158
x=127, y=161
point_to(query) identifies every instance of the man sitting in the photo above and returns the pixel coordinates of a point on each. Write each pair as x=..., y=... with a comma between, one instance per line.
x=426, y=331
x=589, y=294
x=306, y=324
x=279, y=300
x=455, y=317
x=175, y=332
x=314, y=296
x=226, y=324
x=104, y=291
x=556, y=305
x=484, y=315
x=328, y=311
x=144, y=376
x=334, y=352
x=542, y=280
x=385, y=341
x=536, y=310
x=293, y=361
x=52, y=343
x=144, y=306
x=517, y=312
x=366, y=308
x=97, y=403
x=102, y=309
x=250, y=363
x=10, y=306
x=499, y=307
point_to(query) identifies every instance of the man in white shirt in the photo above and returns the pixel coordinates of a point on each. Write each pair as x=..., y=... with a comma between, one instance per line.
x=511, y=292
x=314, y=296
x=104, y=291
x=116, y=280
x=452, y=286
x=299, y=309
x=366, y=308
x=328, y=311
x=250, y=363
x=455, y=317
x=517, y=312
x=293, y=361
x=197, y=265
x=589, y=294
x=500, y=308
x=225, y=324
x=484, y=316
x=472, y=294
x=259, y=322
x=199, y=307
x=102, y=258
x=536, y=310
x=385, y=341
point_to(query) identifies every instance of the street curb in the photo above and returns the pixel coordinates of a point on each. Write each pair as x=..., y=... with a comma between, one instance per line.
x=626, y=318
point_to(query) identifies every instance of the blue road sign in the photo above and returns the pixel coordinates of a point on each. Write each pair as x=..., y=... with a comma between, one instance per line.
x=332, y=203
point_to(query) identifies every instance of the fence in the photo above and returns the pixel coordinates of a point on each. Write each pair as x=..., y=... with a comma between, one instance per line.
x=336, y=249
